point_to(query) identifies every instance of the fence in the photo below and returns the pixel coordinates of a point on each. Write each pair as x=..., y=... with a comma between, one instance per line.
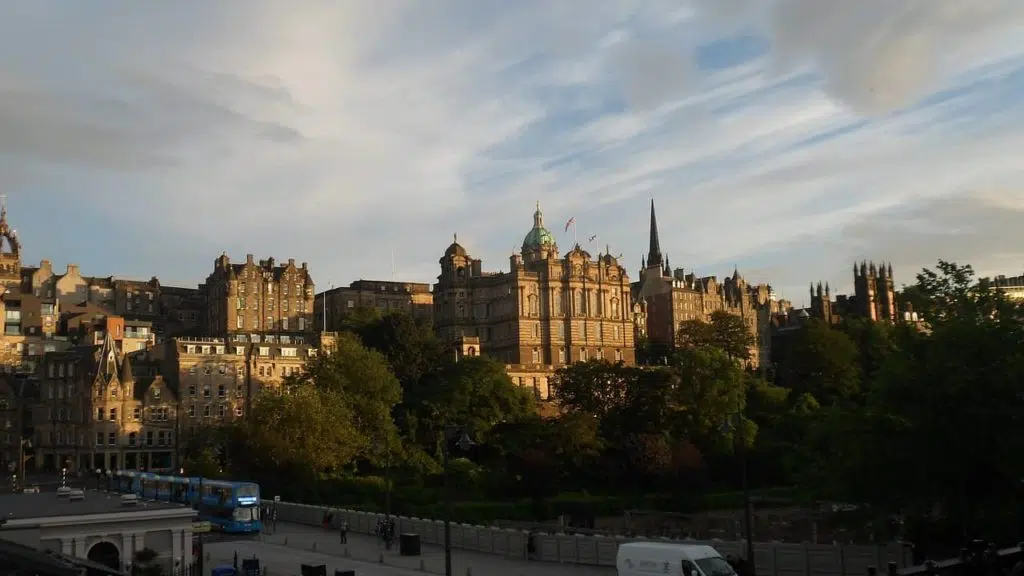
x=774, y=559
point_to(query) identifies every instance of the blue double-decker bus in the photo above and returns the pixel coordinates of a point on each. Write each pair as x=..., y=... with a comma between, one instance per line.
x=232, y=507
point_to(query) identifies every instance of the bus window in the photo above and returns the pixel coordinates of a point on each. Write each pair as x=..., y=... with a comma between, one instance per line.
x=247, y=491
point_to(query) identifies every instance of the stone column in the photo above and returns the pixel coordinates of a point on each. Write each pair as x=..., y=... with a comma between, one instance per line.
x=67, y=546
x=80, y=549
x=177, y=538
x=128, y=547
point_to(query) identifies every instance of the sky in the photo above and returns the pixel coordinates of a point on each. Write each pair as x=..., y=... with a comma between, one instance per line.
x=787, y=138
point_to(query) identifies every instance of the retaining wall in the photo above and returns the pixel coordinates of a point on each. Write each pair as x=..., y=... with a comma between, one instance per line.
x=774, y=558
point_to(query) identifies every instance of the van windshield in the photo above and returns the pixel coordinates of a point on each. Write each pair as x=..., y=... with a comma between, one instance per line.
x=715, y=567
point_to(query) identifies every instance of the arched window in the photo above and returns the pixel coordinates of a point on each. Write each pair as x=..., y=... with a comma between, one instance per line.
x=615, y=308
x=531, y=304
x=471, y=351
x=577, y=302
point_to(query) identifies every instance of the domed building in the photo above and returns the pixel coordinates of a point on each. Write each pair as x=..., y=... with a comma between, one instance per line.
x=545, y=312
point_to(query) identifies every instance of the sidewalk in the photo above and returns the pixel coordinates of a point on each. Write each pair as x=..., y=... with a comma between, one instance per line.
x=368, y=549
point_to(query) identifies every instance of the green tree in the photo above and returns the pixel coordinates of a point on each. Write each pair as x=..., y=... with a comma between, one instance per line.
x=478, y=393
x=724, y=331
x=410, y=346
x=822, y=361
x=303, y=431
x=711, y=389
x=364, y=383
x=593, y=387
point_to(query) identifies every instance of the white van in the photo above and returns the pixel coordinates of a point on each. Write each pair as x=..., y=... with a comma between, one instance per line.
x=649, y=558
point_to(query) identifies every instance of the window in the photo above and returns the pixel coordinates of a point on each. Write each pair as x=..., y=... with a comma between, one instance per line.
x=284, y=306
x=350, y=304
x=536, y=330
x=239, y=390
x=302, y=324
x=161, y=437
x=238, y=411
x=222, y=410
x=206, y=411
x=100, y=413
x=112, y=439
x=191, y=389
x=156, y=393
x=220, y=349
x=618, y=355
x=288, y=352
x=284, y=321
x=536, y=356
x=240, y=350
x=113, y=414
x=99, y=438
x=133, y=438
x=192, y=411
x=221, y=391
x=264, y=351
x=206, y=391
x=113, y=392
x=149, y=438
x=583, y=354
x=239, y=322
x=137, y=413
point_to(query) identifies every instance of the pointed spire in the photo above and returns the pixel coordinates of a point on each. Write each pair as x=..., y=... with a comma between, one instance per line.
x=668, y=269
x=107, y=357
x=538, y=217
x=812, y=290
x=654, y=251
x=455, y=238
x=828, y=291
x=889, y=270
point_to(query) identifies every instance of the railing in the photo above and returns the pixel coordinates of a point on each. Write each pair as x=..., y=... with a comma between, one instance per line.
x=771, y=558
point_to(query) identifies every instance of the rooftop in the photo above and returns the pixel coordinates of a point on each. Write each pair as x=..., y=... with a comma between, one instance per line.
x=48, y=505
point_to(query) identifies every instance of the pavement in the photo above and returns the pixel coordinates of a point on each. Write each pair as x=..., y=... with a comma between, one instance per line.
x=294, y=544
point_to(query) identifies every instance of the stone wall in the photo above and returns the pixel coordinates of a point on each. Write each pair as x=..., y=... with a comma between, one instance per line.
x=774, y=559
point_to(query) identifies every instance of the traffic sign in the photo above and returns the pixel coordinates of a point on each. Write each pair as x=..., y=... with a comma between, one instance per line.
x=201, y=527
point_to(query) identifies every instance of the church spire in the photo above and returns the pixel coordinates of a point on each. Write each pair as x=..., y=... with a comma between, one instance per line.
x=654, y=252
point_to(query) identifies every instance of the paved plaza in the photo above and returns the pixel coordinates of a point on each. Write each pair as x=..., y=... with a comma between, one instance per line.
x=364, y=555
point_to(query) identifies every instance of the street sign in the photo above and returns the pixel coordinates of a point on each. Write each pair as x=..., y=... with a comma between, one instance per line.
x=277, y=498
x=201, y=527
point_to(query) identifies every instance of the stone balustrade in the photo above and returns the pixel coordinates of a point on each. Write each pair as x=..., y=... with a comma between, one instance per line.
x=771, y=558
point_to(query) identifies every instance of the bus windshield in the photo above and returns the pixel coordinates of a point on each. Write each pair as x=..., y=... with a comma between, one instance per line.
x=248, y=491
x=246, y=514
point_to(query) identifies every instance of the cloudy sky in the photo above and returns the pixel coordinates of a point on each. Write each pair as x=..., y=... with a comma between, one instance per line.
x=787, y=137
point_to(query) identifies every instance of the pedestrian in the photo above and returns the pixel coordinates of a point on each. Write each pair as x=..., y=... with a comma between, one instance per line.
x=344, y=531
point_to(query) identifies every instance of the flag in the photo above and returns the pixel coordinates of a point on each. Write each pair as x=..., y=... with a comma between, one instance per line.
x=592, y=238
x=570, y=223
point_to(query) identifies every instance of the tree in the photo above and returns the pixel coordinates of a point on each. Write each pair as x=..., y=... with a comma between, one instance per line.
x=821, y=361
x=362, y=380
x=303, y=432
x=593, y=387
x=410, y=346
x=144, y=563
x=477, y=392
x=724, y=331
x=711, y=390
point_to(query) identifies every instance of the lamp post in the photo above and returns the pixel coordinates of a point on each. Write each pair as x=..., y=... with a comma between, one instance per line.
x=463, y=442
x=748, y=523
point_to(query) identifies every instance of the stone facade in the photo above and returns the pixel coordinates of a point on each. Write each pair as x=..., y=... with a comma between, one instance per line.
x=672, y=297
x=99, y=408
x=259, y=297
x=547, y=311
x=219, y=377
x=333, y=305
x=874, y=297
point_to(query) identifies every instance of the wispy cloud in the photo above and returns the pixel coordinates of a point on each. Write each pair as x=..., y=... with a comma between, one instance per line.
x=786, y=136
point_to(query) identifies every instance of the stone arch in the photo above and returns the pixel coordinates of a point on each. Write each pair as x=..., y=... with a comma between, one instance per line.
x=106, y=553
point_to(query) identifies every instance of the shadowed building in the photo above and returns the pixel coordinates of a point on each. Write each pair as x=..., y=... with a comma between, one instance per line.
x=411, y=297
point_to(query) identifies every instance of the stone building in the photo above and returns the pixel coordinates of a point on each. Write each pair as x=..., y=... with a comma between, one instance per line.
x=546, y=311
x=874, y=297
x=16, y=393
x=99, y=408
x=672, y=297
x=183, y=312
x=218, y=378
x=333, y=305
x=259, y=297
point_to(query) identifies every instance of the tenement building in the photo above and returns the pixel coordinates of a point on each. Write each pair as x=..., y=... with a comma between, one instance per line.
x=672, y=297
x=99, y=408
x=410, y=297
x=545, y=312
x=259, y=297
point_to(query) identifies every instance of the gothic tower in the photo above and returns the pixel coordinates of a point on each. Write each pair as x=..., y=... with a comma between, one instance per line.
x=10, y=252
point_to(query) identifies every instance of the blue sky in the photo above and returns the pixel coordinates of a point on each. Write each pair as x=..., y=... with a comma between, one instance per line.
x=787, y=137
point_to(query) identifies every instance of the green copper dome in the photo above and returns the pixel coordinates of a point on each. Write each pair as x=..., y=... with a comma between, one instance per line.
x=539, y=235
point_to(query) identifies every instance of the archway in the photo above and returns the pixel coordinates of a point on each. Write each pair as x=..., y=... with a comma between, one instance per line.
x=105, y=553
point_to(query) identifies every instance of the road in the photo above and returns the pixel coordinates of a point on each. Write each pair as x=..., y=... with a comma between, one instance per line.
x=293, y=544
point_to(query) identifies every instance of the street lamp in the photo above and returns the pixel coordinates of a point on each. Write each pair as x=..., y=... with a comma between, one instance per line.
x=463, y=442
x=748, y=523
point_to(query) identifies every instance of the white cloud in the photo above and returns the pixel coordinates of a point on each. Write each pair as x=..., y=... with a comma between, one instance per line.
x=338, y=132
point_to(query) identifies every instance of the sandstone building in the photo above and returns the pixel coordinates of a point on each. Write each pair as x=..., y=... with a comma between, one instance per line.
x=545, y=312
x=259, y=297
x=874, y=297
x=410, y=297
x=672, y=297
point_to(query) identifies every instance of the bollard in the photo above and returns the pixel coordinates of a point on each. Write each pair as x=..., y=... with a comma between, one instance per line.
x=381, y=559
x=423, y=566
x=314, y=546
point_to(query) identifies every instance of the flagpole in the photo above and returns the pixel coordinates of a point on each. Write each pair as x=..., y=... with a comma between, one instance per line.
x=575, y=237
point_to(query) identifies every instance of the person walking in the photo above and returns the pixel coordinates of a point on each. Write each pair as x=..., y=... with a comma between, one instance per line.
x=344, y=531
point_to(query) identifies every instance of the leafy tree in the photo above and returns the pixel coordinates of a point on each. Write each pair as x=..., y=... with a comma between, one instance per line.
x=477, y=392
x=409, y=345
x=364, y=383
x=711, y=390
x=723, y=331
x=303, y=432
x=593, y=387
x=821, y=361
